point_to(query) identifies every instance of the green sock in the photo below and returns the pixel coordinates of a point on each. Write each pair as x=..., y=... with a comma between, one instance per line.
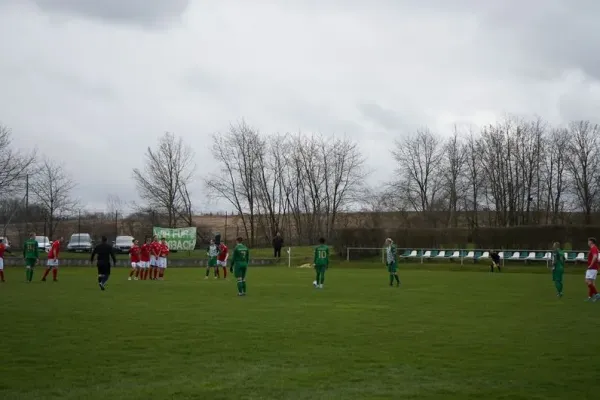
x=29, y=274
x=243, y=286
x=559, y=286
x=318, y=275
x=322, y=281
x=239, y=286
x=391, y=279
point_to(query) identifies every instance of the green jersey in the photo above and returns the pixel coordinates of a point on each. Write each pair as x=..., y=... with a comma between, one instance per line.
x=391, y=253
x=241, y=256
x=321, y=256
x=31, y=249
x=558, y=259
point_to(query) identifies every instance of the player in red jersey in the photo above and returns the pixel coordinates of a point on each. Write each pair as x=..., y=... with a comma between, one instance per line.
x=2, y=251
x=222, y=259
x=154, y=255
x=592, y=270
x=145, y=259
x=162, y=259
x=52, y=263
x=134, y=257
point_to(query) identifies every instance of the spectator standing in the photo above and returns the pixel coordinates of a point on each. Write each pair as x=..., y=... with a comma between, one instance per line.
x=277, y=245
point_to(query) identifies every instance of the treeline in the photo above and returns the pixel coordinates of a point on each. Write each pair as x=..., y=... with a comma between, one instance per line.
x=513, y=173
x=517, y=172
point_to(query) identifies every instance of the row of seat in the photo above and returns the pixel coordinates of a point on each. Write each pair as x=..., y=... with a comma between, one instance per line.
x=527, y=255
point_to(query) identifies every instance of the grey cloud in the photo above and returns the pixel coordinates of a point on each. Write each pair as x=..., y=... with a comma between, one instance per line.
x=148, y=13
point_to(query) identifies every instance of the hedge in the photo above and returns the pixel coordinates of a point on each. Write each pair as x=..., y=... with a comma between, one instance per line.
x=514, y=238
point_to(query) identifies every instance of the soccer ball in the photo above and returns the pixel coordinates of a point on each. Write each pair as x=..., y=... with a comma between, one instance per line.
x=315, y=283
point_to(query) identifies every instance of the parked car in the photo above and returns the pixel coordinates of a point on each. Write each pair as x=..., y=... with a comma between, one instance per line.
x=6, y=242
x=80, y=242
x=122, y=244
x=43, y=243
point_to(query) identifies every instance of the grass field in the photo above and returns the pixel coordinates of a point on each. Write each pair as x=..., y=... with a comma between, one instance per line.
x=442, y=335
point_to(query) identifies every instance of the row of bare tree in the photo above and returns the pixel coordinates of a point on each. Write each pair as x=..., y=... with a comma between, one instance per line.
x=514, y=172
x=293, y=184
x=519, y=172
x=26, y=178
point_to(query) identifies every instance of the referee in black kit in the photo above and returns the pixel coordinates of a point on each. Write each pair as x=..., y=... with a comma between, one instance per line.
x=105, y=252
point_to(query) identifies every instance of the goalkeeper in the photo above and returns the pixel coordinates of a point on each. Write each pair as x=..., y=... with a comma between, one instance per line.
x=391, y=253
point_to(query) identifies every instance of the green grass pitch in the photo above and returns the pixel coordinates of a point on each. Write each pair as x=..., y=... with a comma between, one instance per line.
x=442, y=335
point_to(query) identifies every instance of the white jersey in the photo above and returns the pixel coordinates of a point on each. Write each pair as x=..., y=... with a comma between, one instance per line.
x=213, y=250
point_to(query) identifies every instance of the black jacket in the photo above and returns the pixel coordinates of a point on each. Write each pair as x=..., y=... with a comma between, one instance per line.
x=105, y=253
x=277, y=242
x=495, y=257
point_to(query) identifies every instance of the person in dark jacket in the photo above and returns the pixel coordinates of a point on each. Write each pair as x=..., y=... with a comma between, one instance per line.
x=495, y=260
x=105, y=253
x=277, y=245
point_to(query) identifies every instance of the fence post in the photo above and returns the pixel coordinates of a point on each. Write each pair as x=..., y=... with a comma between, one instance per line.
x=462, y=257
x=383, y=255
x=347, y=253
x=289, y=257
x=422, y=252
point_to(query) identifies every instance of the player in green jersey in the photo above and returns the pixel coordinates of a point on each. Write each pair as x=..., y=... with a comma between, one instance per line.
x=558, y=268
x=31, y=256
x=239, y=265
x=321, y=262
x=391, y=260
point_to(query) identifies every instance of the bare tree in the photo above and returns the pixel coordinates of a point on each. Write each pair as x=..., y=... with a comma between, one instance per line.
x=454, y=160
x=238, y=154
x=584, y=165
x=14, y=166
x=344, y=177
x=167, y=170
x=554, y=173
x=52, y=188
x=114, y=204
x=418, y=159
x=474, y=178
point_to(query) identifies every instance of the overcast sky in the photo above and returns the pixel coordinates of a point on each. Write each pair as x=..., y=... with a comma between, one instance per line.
x=93, y=83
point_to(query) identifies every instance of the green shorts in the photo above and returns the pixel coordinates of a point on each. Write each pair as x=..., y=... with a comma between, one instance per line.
x=321, y=268
x=212, y=262
x=240, y=272
x=557, y=274
x=392, y=267
x=30, y=262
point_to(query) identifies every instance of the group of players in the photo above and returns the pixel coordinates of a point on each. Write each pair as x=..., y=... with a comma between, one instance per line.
x=149, y=261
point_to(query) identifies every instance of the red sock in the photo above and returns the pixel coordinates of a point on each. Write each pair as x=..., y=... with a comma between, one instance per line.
x=593, y=290
x=161, y=274
x=590, y=290
x=224, y=272
x=54, y=273
x=146, y=274
x=1, y=275
x=46, y=273
x=155, y=273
